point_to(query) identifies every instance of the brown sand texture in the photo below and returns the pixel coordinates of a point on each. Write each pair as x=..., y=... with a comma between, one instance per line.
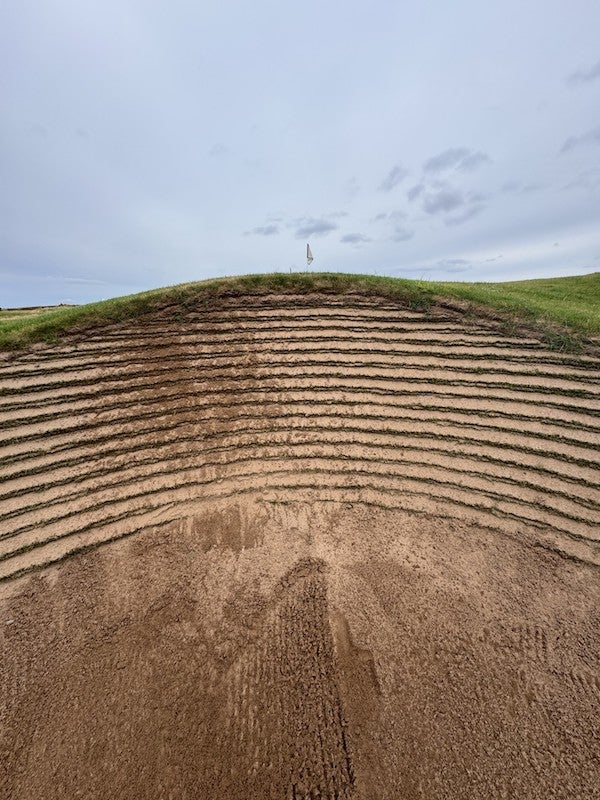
x=293, y=547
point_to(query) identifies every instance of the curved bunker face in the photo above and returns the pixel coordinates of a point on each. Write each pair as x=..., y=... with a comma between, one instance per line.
x=299, y=547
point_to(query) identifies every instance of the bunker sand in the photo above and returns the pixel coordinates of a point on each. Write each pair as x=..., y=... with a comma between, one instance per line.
x=304, y=547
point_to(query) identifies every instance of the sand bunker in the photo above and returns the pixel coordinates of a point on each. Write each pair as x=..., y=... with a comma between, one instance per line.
x=300, y=547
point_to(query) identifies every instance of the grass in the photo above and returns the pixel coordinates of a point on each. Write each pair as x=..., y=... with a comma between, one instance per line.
x=564, y=310
x=573, y=302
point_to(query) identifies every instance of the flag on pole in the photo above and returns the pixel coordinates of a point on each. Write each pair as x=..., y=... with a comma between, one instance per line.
x=309, y=255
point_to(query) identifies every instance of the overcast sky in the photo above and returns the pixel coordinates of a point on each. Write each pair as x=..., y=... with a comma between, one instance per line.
x=145, y=142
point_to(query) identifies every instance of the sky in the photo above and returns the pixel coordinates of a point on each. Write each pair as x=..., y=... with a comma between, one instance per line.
x=145, y=143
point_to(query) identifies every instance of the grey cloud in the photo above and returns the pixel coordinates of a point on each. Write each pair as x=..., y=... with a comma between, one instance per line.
x=66, y=279
x=337, y=214
x=449, y=158
x=437, y=183
x=456, y=158
x=218, y=149
x=474, y=160
x=394, y=177
x=313, y=227
x=589, y=179
x=264, y=230
x=467, y=214
x=516, y=187
x=402, y=234
x=394, y=217
x=584, y=75
x=476, y=197
x=590, y=138
x=452, y=265
x=354, y=238
x=531, y=187
x=415, y=191
x=352, y=188
x=443, y=202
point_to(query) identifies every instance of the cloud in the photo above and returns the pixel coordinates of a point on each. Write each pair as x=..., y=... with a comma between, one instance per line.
x=449, y=265
x=93, y=281
x=218, y=149
x=354, y=238
x=589, y=179
x=590, y=138
x=264, y=230
x=476, y=197
x=352, y=188
x=467, y=214
x=443, y=202
x=394, y=177
x=532, y=187
x=516, y=187
x=71, y=279
x=395, y=218
x=309, y=226
x=460, y=158
x=445, y=160
x=401, y=234
x=473, y=161
x=584, y=75
x=415, y=191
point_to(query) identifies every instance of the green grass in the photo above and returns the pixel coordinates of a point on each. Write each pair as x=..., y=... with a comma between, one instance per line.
x=564, y=310
x=573, y=302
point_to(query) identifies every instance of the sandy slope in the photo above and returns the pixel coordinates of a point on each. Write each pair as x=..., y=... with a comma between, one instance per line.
x=338, y=549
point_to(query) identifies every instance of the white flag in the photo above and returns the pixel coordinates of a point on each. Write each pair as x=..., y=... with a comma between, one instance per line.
x=309, y=256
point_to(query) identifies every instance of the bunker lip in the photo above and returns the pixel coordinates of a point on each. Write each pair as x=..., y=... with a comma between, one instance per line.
x=296, y=543
x=570, y=324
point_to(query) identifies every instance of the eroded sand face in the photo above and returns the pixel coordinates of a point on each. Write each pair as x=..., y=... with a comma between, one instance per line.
x=337, y=565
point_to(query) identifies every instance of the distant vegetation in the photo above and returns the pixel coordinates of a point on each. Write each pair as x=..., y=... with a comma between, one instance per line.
x=565, y=310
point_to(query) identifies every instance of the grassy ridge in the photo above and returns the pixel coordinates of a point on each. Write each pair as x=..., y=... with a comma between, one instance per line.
x=573, y=302
x=565, y=307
